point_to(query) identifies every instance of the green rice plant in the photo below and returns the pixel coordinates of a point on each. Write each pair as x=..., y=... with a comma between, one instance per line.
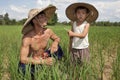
x=104, y=44
x=116, y=66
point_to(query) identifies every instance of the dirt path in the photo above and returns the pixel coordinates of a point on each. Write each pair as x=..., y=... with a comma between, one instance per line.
x=108, y=68
x=5, y=74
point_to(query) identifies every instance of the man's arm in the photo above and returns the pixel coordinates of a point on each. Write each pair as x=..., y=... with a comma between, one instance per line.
x=55, y=39
x=24, y=52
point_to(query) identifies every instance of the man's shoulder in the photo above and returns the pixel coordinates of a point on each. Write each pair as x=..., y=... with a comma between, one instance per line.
x=27, y=37
x=26, y=40
x=48, y=31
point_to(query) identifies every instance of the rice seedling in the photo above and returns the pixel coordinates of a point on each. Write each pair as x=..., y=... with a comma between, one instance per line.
x=104, y=56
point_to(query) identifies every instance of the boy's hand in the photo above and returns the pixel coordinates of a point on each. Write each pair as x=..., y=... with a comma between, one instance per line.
x=70, y=33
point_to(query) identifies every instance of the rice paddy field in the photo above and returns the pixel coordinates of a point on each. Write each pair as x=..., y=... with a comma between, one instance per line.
x=104, y=56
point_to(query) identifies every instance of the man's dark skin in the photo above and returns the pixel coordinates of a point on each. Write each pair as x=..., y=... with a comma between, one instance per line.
x=35, y=42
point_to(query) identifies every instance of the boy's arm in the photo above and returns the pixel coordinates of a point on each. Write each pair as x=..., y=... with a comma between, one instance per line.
x=81, y=35
x=55, y=39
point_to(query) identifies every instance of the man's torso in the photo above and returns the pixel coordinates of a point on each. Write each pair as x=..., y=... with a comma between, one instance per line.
x=38, y=43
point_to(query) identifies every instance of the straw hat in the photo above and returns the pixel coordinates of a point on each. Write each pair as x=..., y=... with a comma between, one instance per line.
x=93, y=14
x=49, y=11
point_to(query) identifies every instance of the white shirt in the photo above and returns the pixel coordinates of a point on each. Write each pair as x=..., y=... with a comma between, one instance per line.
x=80, y=43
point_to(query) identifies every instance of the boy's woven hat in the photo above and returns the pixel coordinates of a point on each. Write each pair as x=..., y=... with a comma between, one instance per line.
x=93, y=14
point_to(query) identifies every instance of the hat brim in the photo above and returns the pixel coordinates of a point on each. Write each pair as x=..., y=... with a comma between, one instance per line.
x=49, y=11
x=93, y=14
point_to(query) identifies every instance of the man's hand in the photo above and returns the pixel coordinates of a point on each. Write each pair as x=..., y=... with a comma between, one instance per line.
x=45, y=55
x=55, y=39
x=48, y=61
x=54, y=47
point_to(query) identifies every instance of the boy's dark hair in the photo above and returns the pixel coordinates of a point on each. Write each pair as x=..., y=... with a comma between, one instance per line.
x=82, y=7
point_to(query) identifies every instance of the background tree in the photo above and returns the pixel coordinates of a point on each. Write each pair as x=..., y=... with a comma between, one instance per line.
x=21, y=22
x=53, y=20
x=6, y=19
x=2, y=22
x=13, y=22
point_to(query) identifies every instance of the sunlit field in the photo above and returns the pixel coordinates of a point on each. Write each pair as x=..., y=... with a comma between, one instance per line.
x=104, y=52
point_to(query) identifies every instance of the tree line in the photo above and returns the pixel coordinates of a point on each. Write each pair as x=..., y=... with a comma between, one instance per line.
x=99, y=23
x=5, y=20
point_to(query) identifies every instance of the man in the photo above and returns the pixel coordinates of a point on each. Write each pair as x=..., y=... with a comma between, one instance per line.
x=35, y=39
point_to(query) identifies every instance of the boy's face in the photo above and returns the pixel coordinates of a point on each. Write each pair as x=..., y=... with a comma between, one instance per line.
x=81, y=14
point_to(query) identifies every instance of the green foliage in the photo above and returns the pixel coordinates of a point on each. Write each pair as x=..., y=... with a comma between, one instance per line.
x=1, y=20
x=106, y=23
x=104, y=44
x=21, y=21
x=7, y=21
x=53, y=20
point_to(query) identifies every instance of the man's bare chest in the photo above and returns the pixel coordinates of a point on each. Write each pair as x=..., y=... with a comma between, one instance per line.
x=39, y=42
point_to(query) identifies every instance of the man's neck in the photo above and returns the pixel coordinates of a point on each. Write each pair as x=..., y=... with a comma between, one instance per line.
x=38, y=29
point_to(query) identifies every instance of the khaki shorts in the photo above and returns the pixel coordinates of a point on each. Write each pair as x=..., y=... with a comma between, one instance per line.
x=80, y=55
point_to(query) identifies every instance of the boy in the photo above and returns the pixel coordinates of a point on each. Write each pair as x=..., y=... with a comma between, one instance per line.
x=82, y=14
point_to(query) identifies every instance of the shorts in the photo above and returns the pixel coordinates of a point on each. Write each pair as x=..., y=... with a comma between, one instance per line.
x=80, y=55
x=23, y=68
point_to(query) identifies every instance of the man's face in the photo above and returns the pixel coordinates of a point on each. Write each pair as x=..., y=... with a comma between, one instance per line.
x=41, y=19
x=81, y=14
